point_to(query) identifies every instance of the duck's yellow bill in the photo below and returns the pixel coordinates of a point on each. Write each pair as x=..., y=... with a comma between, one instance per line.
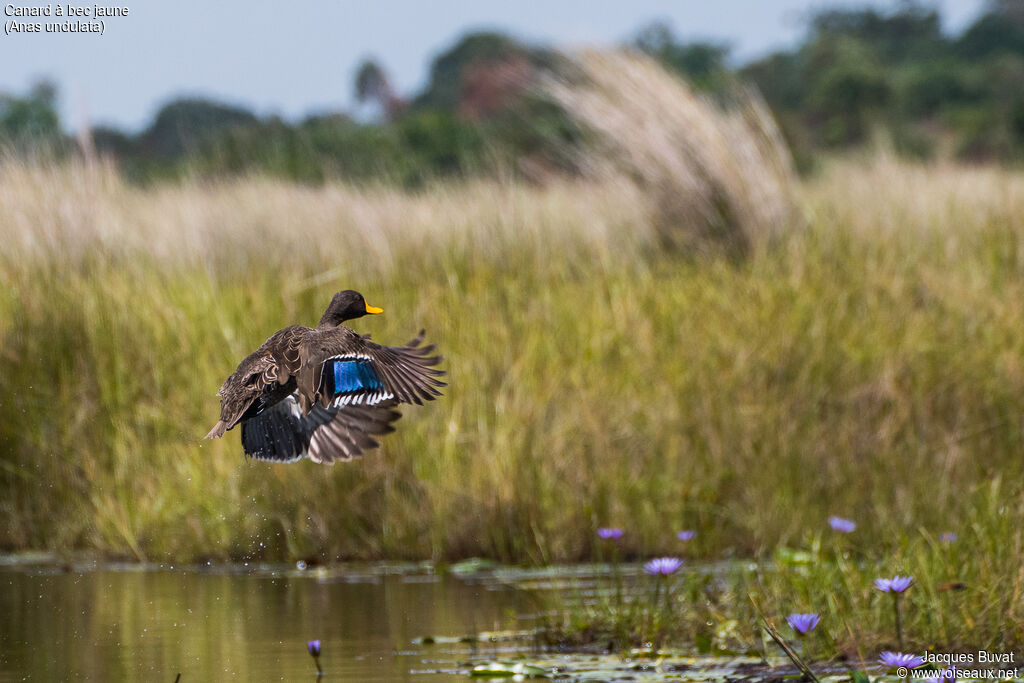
x=373, y=309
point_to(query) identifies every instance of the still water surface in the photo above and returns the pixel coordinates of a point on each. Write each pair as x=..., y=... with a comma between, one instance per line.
x=215, y=624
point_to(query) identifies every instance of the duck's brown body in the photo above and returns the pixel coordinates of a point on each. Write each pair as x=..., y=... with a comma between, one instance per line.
x=324, y=392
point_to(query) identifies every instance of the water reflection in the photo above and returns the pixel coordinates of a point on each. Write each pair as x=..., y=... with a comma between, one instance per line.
x=211, y=625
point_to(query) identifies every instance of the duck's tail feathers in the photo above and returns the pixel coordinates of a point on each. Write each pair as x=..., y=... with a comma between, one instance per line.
x=218, y=430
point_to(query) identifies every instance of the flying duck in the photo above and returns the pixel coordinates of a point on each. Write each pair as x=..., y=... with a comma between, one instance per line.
x=324, y=392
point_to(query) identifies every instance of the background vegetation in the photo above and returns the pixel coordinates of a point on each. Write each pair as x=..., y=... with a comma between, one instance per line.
x=868, y=366
x=858, y=78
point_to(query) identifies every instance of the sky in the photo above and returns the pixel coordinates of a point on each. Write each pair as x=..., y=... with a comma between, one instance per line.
x=299, y=57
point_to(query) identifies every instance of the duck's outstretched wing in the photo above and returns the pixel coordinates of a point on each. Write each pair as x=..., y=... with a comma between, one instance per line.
x=341, y=368
x=282, y=433
x=263, y=378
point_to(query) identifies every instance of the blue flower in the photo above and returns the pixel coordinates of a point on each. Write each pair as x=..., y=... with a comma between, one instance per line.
x=802, y=623
x=663, y=566
x=948, y=537
x=894, y=660
x=686, y=535
x=896, y=584
x=841, y=525
x=314, y=648
x=609, y=533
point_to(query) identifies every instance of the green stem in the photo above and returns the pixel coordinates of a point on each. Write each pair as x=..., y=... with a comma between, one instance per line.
x=668, y=601
x=899, y=625
x=618, y=578
x=651, y=612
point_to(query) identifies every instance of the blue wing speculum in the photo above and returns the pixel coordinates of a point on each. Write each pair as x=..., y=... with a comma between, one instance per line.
x=352, y=380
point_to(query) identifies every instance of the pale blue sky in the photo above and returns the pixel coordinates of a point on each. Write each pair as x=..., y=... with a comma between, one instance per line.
x=292, y=58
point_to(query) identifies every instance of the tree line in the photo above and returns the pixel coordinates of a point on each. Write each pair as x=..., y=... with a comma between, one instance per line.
x=857, y=77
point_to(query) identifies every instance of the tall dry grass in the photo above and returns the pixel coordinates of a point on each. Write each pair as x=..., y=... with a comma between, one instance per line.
x=709, y=173
x=582, y=363
x=75, y=212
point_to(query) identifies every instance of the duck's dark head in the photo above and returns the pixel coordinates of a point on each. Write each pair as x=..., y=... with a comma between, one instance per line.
x=346, y=305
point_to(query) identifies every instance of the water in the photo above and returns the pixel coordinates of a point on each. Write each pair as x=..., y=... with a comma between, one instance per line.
x=218, y=624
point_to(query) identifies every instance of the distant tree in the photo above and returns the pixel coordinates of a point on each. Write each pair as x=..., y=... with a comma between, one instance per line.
x=444, y=88
x=1000, y=30
x=844, y=98
x=780, y=78
x=1017, y=120
x=373, y=84
x=371, y=81
x=476, y=57
x=185, y=125
x=114, y=142
x=702, y=63
x=490, y=87
x=440, y=144
x=860, y=70
x=912, y=30
x=1012, y=10
x=32, y=119
x=932, y=86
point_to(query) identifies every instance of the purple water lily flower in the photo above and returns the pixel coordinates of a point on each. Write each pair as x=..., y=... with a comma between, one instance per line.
x=609, y=533
x=314, y=650
x=803, y=623
x=896, y=584
x=948, y=537
x=663, y=566
x=894, y=660
x=841, y=525
x=686, y=535
x=895, y=587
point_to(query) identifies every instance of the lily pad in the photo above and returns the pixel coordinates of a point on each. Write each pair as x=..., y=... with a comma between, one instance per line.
x=859, y=677
x=472, y=566
x=508, y=669
x=789, y=556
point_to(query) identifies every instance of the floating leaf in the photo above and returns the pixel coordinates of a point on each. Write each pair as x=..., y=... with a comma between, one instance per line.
x=472, y=566
x=859, y=677
x=499, y=636
x=439, y=640
x=794, y=557
x=504, y=669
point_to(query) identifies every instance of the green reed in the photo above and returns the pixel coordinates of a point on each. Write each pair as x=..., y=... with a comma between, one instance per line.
x=875, y=374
